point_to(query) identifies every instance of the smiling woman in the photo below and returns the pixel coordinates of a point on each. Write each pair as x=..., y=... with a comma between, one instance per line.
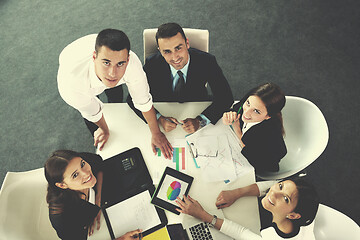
x=74, y=194
x=257, y=121
x=286, y=211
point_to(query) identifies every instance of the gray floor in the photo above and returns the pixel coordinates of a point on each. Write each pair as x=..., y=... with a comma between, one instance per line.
x=310, y=48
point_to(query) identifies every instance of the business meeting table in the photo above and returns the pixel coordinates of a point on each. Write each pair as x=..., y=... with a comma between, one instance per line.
x=128, y=131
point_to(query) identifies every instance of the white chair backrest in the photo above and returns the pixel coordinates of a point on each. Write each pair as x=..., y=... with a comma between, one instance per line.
x=24, y=211
x=306, y=137
x=334, y=225
x=198, y=39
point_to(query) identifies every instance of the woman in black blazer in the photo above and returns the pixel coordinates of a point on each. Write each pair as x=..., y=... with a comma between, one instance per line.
x=257, y=121
x=74, y=194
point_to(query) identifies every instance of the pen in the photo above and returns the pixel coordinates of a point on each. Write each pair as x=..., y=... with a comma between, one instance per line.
x=173, y=121
x=169, y=120
x=239, y=109
x=220, y=205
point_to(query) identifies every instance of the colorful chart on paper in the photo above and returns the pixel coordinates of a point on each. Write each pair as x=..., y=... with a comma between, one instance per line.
x=173, y=190
x=178, y=159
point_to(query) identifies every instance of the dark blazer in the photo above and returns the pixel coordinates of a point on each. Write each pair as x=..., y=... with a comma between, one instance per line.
x=264, y=143
x=76, y=216
x=202, y=68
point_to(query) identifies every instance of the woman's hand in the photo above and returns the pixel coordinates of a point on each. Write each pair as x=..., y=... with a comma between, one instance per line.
x=95, y=222
x=131, y=235
x=227, y=198
x=192, y=207
x=230, y=118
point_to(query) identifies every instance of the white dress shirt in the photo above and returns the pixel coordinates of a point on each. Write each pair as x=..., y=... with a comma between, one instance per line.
x=79, y=86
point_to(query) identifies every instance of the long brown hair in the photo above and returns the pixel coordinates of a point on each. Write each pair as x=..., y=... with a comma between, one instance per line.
x=273, y=98
x=55, y=167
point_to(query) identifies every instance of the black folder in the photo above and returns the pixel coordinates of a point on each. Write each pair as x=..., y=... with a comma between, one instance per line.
x=126, y=175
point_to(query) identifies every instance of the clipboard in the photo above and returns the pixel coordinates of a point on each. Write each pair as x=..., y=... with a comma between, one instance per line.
x=126, y=176
x=134, y=209
x=173, y=184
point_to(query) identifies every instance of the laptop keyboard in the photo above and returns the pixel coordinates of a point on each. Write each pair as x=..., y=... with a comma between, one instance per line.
x=200, y=231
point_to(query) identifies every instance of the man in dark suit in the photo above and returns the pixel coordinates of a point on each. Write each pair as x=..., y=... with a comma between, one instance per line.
x=178, y=73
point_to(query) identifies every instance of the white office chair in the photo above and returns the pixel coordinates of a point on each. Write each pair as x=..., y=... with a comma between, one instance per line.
x=334, y=225
x=306, y=137
x=24, y=212
x=198, y=39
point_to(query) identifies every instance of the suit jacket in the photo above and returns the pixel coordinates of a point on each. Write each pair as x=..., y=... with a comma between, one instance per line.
x=264, y=143
x=73, y=222
x=202, y=68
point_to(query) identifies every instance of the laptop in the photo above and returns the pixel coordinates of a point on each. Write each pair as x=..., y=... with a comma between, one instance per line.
x=194, y=229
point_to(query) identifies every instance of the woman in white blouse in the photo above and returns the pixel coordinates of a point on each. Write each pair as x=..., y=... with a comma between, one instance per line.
x=292, y=205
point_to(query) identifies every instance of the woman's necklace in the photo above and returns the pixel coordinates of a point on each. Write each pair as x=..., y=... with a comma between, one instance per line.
x=85, y=194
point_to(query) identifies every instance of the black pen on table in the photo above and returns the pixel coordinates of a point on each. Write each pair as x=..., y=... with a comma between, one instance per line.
x=220, y=205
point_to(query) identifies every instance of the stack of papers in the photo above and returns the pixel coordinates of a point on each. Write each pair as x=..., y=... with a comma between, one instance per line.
x=216, y=150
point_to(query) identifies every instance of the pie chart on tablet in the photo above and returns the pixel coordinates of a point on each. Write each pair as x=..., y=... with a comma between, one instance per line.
x=173, y=190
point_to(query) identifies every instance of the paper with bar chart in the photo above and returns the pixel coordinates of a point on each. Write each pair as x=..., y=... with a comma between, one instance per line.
x=177, y=162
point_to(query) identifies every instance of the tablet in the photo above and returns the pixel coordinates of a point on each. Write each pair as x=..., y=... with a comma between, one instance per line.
x=173, y=184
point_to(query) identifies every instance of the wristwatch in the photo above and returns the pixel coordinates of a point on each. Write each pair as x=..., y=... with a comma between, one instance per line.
x=213, y=221
x=201, y=121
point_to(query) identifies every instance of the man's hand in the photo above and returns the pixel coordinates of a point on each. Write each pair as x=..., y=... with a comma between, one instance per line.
x=159, y=140
x=168, y=123
x=190, y=125
x=131, y=235
x=100, y=138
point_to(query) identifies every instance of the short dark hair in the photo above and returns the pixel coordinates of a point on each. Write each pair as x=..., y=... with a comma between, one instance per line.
x=168, y=30
x=114, y=39
x=308, y=202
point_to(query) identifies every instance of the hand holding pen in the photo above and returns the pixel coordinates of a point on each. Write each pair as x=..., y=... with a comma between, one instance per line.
x=230, y=118
x=136, y=234
x=168, y=123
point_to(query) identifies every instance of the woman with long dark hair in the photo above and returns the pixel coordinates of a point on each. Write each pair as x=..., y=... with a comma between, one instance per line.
x=287, y=210
x=257, y=121
x=74, y=194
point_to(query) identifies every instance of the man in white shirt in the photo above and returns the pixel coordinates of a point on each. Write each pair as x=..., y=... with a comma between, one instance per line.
x=85, y=72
